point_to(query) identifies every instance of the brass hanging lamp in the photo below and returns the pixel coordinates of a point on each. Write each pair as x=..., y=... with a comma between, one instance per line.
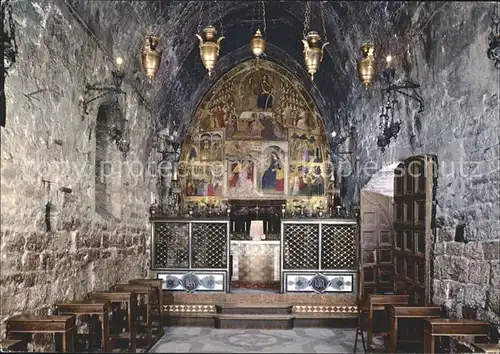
x=258, y=42
x=313, y=45
x=209, y=47
x=209, y=43
x=151, y=57
x=366, y=65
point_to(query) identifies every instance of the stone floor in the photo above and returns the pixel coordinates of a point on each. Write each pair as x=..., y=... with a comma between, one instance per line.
x=298, y=340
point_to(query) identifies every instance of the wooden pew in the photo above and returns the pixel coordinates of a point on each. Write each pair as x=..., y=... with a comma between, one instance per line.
x=130, y=299
x=445, y=327
x=58, y=325
x=397, y=312
x=146, y=323
x=378, y=302
x=157, y=305
x=91, y=307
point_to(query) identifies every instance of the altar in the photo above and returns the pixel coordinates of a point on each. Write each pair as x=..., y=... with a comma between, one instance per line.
x=255, y=261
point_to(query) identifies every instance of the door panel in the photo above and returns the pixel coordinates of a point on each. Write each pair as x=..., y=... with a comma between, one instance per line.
x=413, y=196
x=376, y=243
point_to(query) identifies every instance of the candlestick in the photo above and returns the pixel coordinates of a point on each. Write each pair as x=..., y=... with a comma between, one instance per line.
x=152, y=197
x=234, y=226
x=245, y=226
x=174, y=171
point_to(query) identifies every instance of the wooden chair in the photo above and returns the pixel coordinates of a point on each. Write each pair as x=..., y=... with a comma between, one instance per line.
x=397, y=312
x=445, y=327
x=24, y=325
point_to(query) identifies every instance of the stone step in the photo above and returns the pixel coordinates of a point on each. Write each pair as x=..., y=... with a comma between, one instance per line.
x=254, y=321
x=253, y=309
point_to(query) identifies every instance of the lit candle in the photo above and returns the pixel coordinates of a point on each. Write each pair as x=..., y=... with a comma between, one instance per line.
x=174, y=171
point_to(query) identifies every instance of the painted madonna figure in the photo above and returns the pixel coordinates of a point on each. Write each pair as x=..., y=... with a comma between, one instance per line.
x=273, y=178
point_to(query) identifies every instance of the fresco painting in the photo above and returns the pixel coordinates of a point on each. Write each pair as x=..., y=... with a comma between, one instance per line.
x=264, y=129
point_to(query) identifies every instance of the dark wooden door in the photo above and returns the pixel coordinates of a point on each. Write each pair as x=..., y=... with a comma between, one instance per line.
x=413, y=198
x=376, y=260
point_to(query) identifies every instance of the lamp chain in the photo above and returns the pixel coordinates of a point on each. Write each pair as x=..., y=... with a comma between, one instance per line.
x=200, y=18
x=12, y=29
x=325, y=37
x=307, y=18
x=210, y=15
x=220, y=18
x=264, y=17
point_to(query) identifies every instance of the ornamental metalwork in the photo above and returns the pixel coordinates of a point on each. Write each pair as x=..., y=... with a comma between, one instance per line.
x=338, y=246
x=171, y=245
x=300, y=246
x=209, y=245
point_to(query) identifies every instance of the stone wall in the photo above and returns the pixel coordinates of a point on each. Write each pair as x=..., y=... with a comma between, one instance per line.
x=446, y=54
x=54, y=245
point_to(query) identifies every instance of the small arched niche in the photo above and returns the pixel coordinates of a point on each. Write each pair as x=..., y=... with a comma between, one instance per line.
x=108, y=161
x=263, y=127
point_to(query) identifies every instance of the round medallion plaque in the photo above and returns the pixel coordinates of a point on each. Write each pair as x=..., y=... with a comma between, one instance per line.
x=319, y=283
x=190, y=282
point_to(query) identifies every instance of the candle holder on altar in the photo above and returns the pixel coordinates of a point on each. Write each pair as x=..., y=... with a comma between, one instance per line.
x=338, y=207
x=153, y=210
x=283, y=210
x=228, y=211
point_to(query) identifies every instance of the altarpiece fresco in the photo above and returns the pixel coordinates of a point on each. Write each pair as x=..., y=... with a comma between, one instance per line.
x=256, y=135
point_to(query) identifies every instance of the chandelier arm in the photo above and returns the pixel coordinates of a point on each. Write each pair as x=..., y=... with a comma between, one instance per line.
x=413, y=94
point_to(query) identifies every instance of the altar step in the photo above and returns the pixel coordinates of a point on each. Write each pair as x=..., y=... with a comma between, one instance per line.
x=253, y=309
x=254, y=321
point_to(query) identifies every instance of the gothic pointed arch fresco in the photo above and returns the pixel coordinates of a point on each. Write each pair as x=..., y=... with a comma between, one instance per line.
x=257, y=134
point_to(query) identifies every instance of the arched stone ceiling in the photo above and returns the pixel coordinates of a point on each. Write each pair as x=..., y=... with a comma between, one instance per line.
x=347, y=23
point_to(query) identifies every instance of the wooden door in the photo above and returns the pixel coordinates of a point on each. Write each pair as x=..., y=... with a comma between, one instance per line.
x=376, y=243
x=413, y=198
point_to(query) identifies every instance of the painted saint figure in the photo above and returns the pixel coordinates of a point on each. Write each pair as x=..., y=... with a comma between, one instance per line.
x=265, y=98
x=241, y=177
x=274, y=177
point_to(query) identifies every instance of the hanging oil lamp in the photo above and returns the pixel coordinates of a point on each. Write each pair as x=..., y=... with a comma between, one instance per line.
x=313, y=52
x=366, y=65
x=209, y=47
x=151, y=57
x=258, y=44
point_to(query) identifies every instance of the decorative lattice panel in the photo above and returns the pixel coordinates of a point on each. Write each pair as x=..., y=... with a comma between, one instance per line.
x=300, y=246
x=339, y=246
x=171, y=245
x=209, y=245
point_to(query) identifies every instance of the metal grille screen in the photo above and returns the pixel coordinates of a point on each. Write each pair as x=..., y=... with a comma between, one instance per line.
x=300, y=246
x=209, y=245
x=171, y=245
x=338, y=246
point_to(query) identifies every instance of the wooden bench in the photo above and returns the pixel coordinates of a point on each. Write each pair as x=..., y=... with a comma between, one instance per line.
x=13, y=345
x=445, y=327
x=378, y=302
x=101, y=308
x=146, y=323
x=157, y=305
x=397, y=312
x=30, y=324
x=129, y=298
